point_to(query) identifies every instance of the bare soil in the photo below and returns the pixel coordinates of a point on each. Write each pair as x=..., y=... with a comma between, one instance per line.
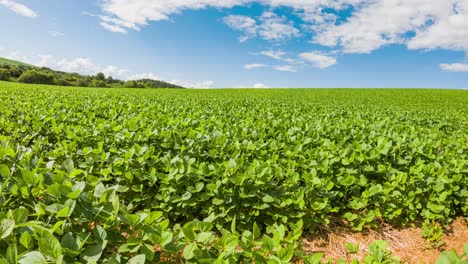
x=407, y=244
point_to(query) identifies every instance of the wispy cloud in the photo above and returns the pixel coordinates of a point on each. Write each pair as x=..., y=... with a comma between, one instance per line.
x=55, y=34
x=19, y=8
x=242, y=23
x=260, y=86
x=285, y=68
x=315, y=58
x=254, y=66
x=454, y=67
x=146, y=75
x=194, y=85
x=318, y=59
x=113, y=24
x=269, y=26
x=278, y=55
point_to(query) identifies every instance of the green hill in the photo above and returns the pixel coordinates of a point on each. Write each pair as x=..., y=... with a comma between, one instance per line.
x=15, y=71
x=13, y=62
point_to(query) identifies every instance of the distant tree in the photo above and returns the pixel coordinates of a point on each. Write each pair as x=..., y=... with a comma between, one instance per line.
x=148, y=83
x=134, y=84
x=118, y=83
x=82, y=82
x=33, y=76
x=45, y=69
x=98, y=83
x=110, y=79
x=100, y=77
x=16, y=71
x=4, y=75
x=5, y=66
x=62, y=82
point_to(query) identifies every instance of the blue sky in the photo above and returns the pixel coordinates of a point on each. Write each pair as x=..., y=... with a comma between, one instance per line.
x=244, y=43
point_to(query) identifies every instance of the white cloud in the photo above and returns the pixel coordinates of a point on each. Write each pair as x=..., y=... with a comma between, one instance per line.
x=435, y=24
x=55, y=34
x=113, y=24
x=455, y=67
x=318, y=59
x=254, y=66
x=418, y=24
x=115, y=72
x=19, y=8
x=269, y=27
x=116, y=25
x=260, y=86
x=274, y=54
x=193, y=85
x=18, y=56
x=113, y=28
x=148, y=75
x=137, y=13
x=450, y=31
x=278, y=55
x=82, y=66
x=257, y=85
x=242, y=23
x=276, y=28
x=78, y=65
x=285, y=68
x=86, y=66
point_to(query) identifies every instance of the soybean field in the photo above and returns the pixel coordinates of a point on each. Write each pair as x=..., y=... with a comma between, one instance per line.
x=91, y=175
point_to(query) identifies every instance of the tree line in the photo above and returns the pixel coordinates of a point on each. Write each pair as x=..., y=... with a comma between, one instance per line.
x=43, y=75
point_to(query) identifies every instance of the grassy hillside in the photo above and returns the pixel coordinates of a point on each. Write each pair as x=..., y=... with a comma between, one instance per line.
x=13, y=62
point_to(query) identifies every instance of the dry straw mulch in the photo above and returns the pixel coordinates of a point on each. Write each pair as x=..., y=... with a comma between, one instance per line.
x=407, y=244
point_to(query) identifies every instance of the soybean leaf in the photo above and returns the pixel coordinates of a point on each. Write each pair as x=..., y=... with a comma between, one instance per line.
x=33, y=257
